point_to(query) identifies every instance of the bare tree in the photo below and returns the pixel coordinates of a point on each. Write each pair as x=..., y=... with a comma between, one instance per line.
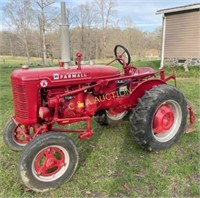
x=19, y=15
x=42, y=18
x=92, y=27
x=85, y=17
x=106, y=9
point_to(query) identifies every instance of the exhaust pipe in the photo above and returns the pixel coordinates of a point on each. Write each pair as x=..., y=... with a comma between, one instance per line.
x=64, y=37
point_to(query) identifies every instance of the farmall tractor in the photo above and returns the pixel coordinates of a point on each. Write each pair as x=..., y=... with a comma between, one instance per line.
x=47, y=100
x=48, y=96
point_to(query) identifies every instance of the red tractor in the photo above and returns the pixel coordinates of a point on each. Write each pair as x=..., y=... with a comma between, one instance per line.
x=47, y=98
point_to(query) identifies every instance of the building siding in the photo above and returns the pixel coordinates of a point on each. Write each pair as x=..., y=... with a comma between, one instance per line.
x=182, y=37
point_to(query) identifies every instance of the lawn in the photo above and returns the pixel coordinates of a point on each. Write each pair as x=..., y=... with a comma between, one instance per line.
x=111, y=163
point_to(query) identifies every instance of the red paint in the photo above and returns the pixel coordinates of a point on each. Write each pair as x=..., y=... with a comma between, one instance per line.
x=163, y=119
x=49, y=161
x=192, y=118
x=22, y=134
x=45, y=96
x=20, y=137
x=79, y=55
x=116, y=110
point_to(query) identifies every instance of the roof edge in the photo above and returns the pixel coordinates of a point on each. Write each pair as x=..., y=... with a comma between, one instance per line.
x=179, y=9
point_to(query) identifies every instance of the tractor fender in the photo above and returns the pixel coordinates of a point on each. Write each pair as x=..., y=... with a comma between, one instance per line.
x=141, y=88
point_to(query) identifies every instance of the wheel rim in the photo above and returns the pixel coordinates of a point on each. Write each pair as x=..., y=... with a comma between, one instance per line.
x=116, y=114
x=50, y=163
x=19, y=137
x=166, y=121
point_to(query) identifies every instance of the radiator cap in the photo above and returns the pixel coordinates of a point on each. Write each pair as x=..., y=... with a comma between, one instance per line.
x=25, y=66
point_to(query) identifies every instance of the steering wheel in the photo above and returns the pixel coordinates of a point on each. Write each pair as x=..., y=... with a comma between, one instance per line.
x=122, y=53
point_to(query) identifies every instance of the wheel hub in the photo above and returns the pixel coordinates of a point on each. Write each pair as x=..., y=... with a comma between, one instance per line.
x=163, y=119
x=49, y=161
x=22, y=135
x=19, y=137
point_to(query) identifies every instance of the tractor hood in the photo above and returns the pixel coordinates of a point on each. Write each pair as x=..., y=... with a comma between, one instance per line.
x=60, y=75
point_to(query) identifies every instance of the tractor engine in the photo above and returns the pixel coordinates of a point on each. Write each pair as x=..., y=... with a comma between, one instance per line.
x=69, y=106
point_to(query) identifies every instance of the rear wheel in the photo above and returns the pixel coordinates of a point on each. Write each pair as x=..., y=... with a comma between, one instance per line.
x=159, y=119
x=48, y=161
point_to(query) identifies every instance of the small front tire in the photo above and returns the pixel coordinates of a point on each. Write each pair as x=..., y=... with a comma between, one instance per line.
x=111, y=118
x=114, y=118
x=13, y=136
x=48, y=161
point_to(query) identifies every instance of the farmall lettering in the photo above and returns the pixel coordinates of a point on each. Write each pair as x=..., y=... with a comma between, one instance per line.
x=69, y=76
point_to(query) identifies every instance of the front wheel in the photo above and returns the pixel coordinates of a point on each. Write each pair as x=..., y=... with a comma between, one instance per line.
x=116, y=115
x=159, y=119
x=112, y=116
x=14, y=135
x=48, y=161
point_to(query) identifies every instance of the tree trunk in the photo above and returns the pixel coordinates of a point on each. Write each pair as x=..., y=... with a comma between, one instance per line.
x=44, y=48
x=27, y=52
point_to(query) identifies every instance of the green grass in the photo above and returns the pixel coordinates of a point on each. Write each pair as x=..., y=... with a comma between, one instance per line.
x=15, y=61
x=111, y=163
x=193, y=71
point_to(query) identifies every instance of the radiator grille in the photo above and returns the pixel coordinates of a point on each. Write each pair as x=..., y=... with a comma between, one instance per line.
x=20, y=101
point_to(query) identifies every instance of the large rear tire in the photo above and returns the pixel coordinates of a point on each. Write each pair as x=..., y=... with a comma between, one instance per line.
x=48, y=161
x=159, y=119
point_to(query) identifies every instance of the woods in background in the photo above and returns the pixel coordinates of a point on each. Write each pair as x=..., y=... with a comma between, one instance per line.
x=31, y=28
